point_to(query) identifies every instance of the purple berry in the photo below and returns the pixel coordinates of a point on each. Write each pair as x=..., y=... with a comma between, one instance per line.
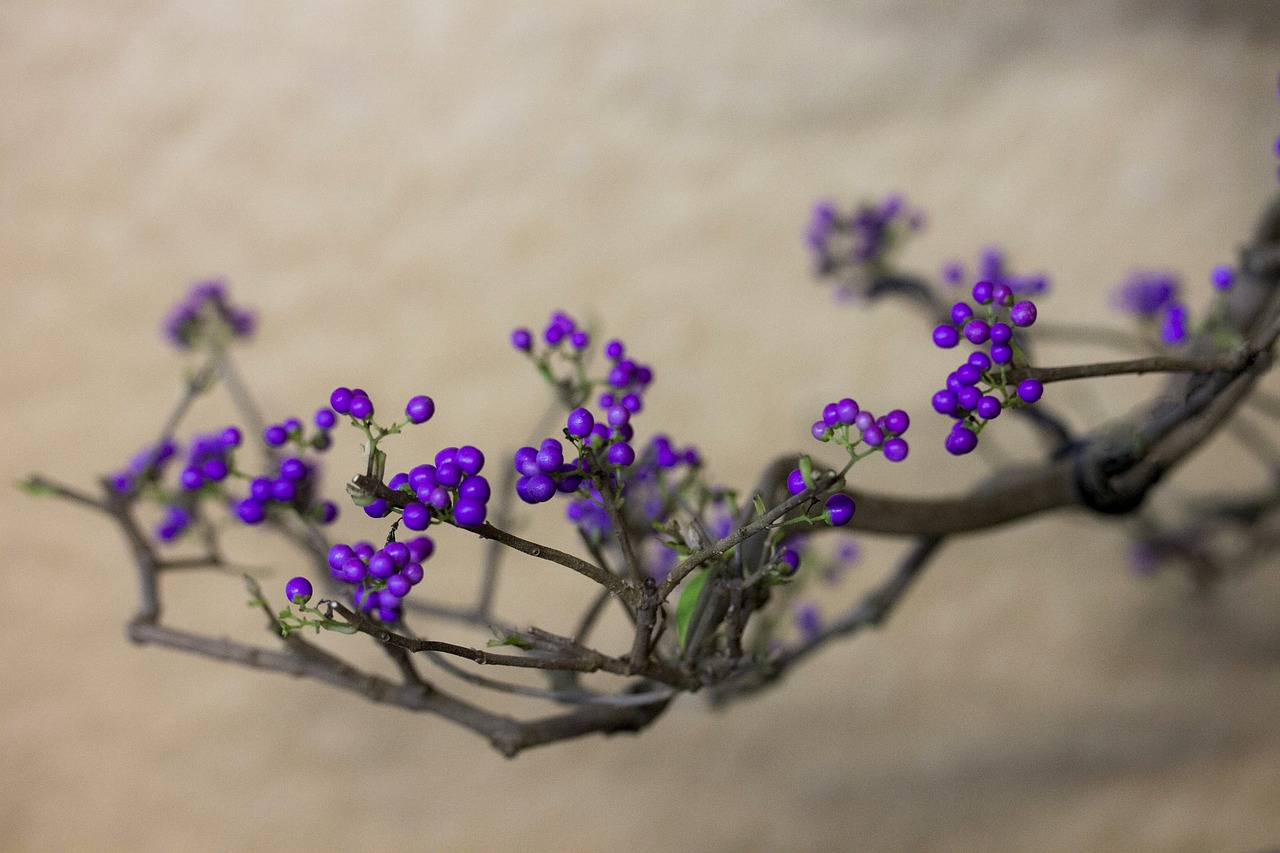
x=791, y=560
x=474, y=487
x=944, y=402
x=525, y=460
x=522, y=339
x=339, y=554
x=896, y=422
x=397, y=551
x=449, y=474
x=982, y=292
x=440, y=498
x=381, y=566
x=968, y=398
x=420, y=548
x=361, y=408
x=839, y=509
x=398, y=585
x=469, y=512
x=580, y=422
x=830, y=414
x=873, y=435
x=446, y=454
x=1001, y=294
x=977, y=331
x=621, y=454
x=354, y=570
x=283, y=490
x=231, y=437
x=1023, y=314
x=251, y=511
x=377, y=509
x=275, y=435
x=1030, y=390
x=946, y=336
x=795, y=482
x=962, y=440
x=191, y=478
x=416, y=516
x=895, y=449
x=539, y=488
x=294, y=469
x=980, y=360
x=420, y=409
x=966, y=374
x=549, y=458
x=340, y=400
x=1001, y=333
x=847, y=410
x=1222, y=275
x=960, y=313
x=988, y=408
x=326, y=512
x=469, y=459
x=298, y=590
x=412, y=573
x=1001, y=353
x=819, y=431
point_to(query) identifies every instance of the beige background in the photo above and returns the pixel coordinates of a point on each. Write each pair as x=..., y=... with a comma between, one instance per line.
x=395, y=186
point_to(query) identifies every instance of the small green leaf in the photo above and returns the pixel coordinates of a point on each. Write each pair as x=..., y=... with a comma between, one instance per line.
x=806, y=471
x=36, y=488
x=689, y=602
x=379, y=463
x=512, y=639
x=759, y=505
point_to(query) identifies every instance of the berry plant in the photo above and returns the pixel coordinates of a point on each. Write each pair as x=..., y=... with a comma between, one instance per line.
x=721, y=586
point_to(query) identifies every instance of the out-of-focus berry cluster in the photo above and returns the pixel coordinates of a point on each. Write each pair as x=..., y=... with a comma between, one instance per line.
x=993, y=266
x=1154, y=298
x=977, y=391
x=207, y=314
x=859, y=242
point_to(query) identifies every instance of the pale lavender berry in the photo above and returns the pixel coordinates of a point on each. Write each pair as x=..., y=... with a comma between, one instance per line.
x=298, y=590
x=361, y=408
x=416, y=516
x=469, y=512
x=419, y=409
x=864, y=419
x=1023, y=314
x=1030, y=390
x=895, y=449
x=946, y=336
x=580, y=422
x=819, y=431
x=439, y=498
x=839, y=509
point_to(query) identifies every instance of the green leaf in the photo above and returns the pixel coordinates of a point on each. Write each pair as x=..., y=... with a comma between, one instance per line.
x=689, y=602
x=759, y=505
x=806, y=471
x=512, y=639
x=36, y=489
x=379, y=463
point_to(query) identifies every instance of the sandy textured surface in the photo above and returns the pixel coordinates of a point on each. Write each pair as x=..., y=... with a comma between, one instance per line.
x=395, y=187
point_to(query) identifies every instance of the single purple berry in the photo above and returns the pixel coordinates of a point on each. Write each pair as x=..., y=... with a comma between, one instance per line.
x=191, y=478
x=298, y=590
x=469, y=512
x=621, y=454
x=293, y=469
x=474, y=487
x=416, y=516
x=398, y=552
x=580, y=422
x=632, y=403
x=340, y=400
x=377, y=509
x=830, y=414
x=1001, y=333
x=966, y=374
x=819, y=431
x=549, y=458
x=440, y=498
x=988, y=407
x=1030, y=390
x=895, y=449
x=980, y=360
x=354, y=570
x=445, y=454
x=363, y=550
x=420, y=409
x=231, y=437
x=283, y=490
x=960, y=313
x=968, y=398
x=873, y=435
x=961, y=440
x=977, y=331
x=398, y=482
x=896, y=422
x=381, y=566
x=1222, y=277
x=580, y=339
x=525, y=460
x=412, y=573
x=946, y=336
x=1001, y=294
x=275, y=435
x=325, y=418
x=614, y=350
x=618, y=415
x=420, y=548
x=449, y=474
x=791, y=560
x=944, y=402
x=982, y=292
x=795, y=482
x=422, y=477
x=839, y=509
x=1023, y=314
x=1001, y=353
x=339, y=554
x=361, y=408
x=398, y=585
x=251, y=511
x=522, y=339
x=469, y=459
x=847, y=410
x=540, y=488
x=326, y=512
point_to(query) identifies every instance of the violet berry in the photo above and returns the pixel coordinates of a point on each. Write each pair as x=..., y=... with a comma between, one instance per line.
x=416, y=516
x=522, y=339
x=340, y=400
x=251, y=511
x=839, y=509
x=795, y=482
x=621, y=454
x=420, y=409
x=1023, y=314
x=275, y=435
x=895, y=449
x=946, y=336
x=361, y=408
x=298, y=590
x=580, y=422
x=1030, y=390
x=469, y=512
x=961, y=440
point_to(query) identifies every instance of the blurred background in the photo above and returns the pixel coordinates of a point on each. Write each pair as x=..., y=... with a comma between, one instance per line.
x=395, y=186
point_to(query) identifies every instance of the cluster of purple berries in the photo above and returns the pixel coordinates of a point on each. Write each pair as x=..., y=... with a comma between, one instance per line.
x=382, y=577
x=561, y=329
x=879, y=433
x=976, y=391
x=861, y=238
x=292, y=487
x=992, y=266
x=206, y=312
x=209, y=458
x=147, y=465
x=450, y=489
x=1154, y=296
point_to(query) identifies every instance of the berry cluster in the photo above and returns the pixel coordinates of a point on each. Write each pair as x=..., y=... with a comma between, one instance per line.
x=147, y=466
x=448, y=490
x=209, y=458
x=293, y=487
x=861, y=239
x=993, y=266
x=381, y=577
x=977, y=391
x=206, y=314
x=1154, y=298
